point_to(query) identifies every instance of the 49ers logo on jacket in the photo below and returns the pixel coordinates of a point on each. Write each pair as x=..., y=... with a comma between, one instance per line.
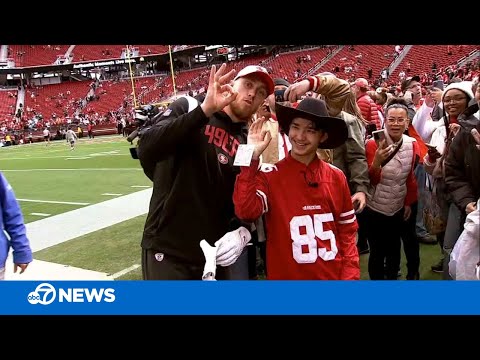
x=222, y=158
x=222, y=139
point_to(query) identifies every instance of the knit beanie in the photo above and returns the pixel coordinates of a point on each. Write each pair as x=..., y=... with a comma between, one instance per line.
x=465, y=86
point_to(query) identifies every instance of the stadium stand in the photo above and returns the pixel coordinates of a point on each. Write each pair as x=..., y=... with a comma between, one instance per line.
x=76, y=91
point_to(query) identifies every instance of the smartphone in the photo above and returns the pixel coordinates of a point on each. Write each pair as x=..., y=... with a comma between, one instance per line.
x=370, y=128
x=379, y=135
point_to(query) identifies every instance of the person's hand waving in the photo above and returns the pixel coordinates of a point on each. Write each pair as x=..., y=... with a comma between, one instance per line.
x=258, y=138
x=220, y=93
x=429, y=100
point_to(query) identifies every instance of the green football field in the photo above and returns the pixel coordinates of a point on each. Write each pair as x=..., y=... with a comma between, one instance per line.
x=50, y=180
x=70, y=179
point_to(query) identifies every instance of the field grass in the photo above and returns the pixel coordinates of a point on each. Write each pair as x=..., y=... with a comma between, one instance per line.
x=108, y=250
x=429, y=255
x=84, y=176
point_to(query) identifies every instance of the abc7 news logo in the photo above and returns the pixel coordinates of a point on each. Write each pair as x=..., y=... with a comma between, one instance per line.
x=44, y=294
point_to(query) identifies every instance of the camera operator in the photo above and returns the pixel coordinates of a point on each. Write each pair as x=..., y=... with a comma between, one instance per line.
x=143, y=117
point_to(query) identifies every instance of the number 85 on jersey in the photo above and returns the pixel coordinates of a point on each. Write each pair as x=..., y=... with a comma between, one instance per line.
x=313, y=228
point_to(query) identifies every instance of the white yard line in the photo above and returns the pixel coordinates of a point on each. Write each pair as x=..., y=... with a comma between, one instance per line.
x=140, y=186
x=110, y=194
x=54, y=202
x=40, y=214
x=87, y=219
x=39, y=270
x=124, y=271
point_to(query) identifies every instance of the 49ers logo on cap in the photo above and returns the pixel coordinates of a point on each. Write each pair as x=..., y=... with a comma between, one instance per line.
x=222, y=158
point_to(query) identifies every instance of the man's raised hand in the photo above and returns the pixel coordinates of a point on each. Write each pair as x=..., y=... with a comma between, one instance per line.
x=220, y=93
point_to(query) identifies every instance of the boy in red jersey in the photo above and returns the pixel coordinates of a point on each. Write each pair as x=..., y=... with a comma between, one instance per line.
x=310, y=219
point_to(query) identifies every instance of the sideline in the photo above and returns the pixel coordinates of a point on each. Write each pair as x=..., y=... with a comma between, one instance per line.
x=72, y=224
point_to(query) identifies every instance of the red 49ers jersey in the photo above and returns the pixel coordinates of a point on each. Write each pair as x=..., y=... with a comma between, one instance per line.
x=310, y=222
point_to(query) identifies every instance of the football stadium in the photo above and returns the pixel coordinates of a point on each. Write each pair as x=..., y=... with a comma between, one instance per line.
x=69, y=118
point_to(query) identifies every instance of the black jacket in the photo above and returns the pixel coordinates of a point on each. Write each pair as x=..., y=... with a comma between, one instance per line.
x=189, y=158
x=462, y=164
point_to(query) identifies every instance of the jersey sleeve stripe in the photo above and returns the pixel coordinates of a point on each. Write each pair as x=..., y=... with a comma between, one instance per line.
x=348, y=213
x=349, y=221
x=262, y=196
x=315, y=84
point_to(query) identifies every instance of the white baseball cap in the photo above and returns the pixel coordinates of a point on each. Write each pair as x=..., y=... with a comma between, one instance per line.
x=261, y=72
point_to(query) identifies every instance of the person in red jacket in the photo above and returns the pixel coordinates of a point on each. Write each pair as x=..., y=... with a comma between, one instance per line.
x=310, y=220
x=365, y=103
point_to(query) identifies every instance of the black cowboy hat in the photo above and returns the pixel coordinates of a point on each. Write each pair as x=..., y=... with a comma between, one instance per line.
x=316, y=111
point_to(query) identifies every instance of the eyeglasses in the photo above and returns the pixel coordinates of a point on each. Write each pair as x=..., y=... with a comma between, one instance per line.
x=454, y=100
x=399, y=121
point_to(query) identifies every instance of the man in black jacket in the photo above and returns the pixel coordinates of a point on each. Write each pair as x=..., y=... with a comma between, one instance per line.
x=188, y=154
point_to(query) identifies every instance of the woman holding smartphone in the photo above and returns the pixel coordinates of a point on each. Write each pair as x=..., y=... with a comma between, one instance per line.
x=393, y=189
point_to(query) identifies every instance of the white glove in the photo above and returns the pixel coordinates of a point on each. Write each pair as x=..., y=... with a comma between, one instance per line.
x=210, y=253
x=230, y=246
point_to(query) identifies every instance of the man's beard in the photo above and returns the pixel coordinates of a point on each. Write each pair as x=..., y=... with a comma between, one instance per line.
x=241, y=113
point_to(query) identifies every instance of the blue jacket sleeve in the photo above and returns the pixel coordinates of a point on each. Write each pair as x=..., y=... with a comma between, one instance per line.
x=14, y=224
